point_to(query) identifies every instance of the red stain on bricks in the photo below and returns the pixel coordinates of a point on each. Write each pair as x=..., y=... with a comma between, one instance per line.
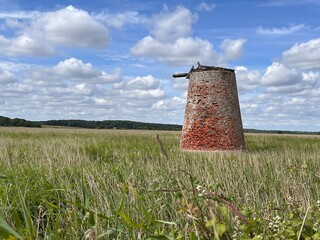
x=212, y=117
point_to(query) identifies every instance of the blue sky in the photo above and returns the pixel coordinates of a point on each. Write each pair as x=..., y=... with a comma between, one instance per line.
x=99, y=60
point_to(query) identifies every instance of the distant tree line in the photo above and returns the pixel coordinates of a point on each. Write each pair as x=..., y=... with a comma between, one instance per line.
x=107, y=124
x=279, y=132
x=112, y=124
x=17, y=122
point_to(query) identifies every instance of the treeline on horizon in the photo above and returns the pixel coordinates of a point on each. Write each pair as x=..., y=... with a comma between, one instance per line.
x=118, y=124
x=107, y=124
x=17, y=122
x=112, y=124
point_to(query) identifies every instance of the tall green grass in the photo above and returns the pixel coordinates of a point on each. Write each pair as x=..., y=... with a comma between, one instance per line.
x=103, y=184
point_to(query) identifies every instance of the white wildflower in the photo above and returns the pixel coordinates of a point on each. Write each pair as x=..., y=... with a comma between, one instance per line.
x=275, y=224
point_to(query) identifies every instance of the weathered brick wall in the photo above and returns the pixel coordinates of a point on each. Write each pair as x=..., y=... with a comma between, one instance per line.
x=212, y=116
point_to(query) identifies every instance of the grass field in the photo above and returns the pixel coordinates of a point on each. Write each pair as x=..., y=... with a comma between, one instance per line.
x=116, y=184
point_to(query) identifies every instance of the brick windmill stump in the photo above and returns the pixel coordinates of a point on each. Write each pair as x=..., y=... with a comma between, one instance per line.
x=212, y=117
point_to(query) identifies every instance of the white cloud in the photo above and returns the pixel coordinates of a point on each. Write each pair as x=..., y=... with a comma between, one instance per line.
x=150, y=93
x=7, y=77
x=182, y=51
x=137, y=83
x=247, y=79
x=41, y=33
x=232, y=49
x=291, y=75
x=280, y=78
x=11, y=23
x=14, y=66
x=180, y=83
x=311, y=77
x=119, y=20
x=280, y=111
x=171, y=42
x=140, y=87
x=101, y=101
x=290, y=89
x=18, y=14
x=304, y=55
x=206, y=6
x=173, y=103
x=25, y=45
x=285, y=3
x=17, y=87
x=296, y=101
x=71, y=89
x=142, y=83
x=73, y=68
x=106, y=77
x=288, y=97
x=73, y=28
x=279, y=75
x=72, y=95
x=82, y=89
x=280, y=31
x=170, y=26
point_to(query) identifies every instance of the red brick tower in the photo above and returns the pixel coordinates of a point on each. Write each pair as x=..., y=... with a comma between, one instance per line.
x=212, y=118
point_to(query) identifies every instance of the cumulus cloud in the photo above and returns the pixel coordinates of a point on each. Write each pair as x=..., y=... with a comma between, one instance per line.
x=180, y=83
x=17, y=87
x=232, y=49
x=247, y=79
x=173, y=103
x=78, y=89
x=140, y=83
x=280, y=78
x=149, y=93
x=299, y=67
x=140, y=87
x=72, y=27
x=41, y=33
x=282, y=111
x=304, y=55
x=287, y=93
x=279, y=75
x=170, y=26
x=182, y=51
x=73, y=68
x=73, y=88
x=7, y=77
x=171, y=42
x=25, y=45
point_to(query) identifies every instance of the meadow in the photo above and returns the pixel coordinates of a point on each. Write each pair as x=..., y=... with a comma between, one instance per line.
x=60, y=183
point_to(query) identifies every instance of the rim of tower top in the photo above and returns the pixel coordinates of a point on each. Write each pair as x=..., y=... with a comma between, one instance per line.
x=199, y=69
x=204, y=68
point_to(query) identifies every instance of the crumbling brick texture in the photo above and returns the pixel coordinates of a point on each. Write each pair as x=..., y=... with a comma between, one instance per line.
x=212, y=117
